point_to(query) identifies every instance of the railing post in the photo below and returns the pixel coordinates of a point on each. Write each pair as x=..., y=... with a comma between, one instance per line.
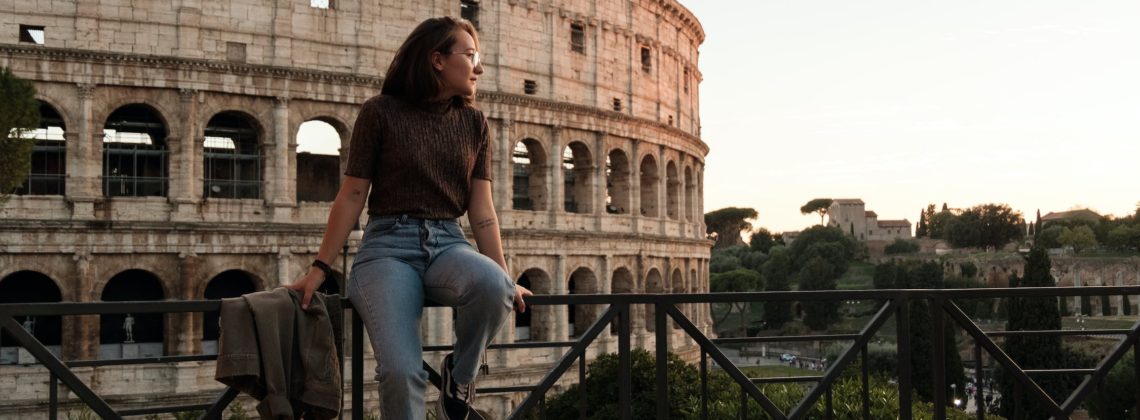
x=938, y=358
x=979, y=380
x=53, y=396
x=866, y=385
x=903, y=351
x=705, y=385
x=662, y=360
x=1136, y=364
x=357, y=366
x=625, y=364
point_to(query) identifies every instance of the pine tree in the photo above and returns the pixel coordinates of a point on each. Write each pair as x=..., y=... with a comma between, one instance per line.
x=1037, y=223
x=1035, y=352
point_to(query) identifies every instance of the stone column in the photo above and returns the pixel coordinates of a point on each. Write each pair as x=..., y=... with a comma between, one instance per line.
x=557, y=186
x=662, y=190
x=84, y=159
x=635, y=186
x=84, y=328
x=502, y=161
x=279, y=185
x=560, y=313
x=599, y=185
x=184, y=336
x=186, y=159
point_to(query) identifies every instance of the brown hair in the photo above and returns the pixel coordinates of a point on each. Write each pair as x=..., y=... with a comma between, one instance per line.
x=411, y=76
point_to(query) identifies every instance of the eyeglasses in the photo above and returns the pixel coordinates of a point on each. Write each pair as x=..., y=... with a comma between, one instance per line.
x=471, y=55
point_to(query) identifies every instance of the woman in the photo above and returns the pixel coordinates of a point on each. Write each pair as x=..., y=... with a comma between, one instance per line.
x=424, y=151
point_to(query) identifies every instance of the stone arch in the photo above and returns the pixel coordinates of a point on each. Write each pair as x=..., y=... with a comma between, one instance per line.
x=248, y=269
x=64, y=112
x=621, y=281
x=578, y=176
x=135, y=152
x=233, y=165
x=618, y=187
x=582, y=281
x=102, y=112
x=132, y=285
x=47, y=174
x=654, y=283
x=690, y=194
x=529, y=171
x=672, y=191
x=537, y=322
x=227, y=284
x=317, y=168
x=27, y=286
x=648, y=182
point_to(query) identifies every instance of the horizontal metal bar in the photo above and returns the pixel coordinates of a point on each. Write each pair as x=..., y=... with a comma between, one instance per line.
x=785, y=379
x=160, y=410
x=785, y=338
x=1048, y=333
x=518, y=345
x=1059, y=371
x=141, y=360
x=503, y=389
x=98, y=308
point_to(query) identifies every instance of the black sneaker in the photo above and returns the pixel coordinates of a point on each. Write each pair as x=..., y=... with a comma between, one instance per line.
x=454, y=399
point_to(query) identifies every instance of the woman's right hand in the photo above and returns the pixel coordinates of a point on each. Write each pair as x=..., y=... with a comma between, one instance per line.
x=307, y=285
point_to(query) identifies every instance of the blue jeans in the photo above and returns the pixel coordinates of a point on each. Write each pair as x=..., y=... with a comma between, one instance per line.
x=400, y=262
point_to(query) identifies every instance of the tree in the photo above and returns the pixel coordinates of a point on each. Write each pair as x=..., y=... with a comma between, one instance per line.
x=1125, y=238
x=936, y=223
x=920, y=231
x=777, y=276
x=1079, y=238
x=1035, y=352
x=1048, y=238
x=762, y=240
x=986, y=225
x=739, y=280
x=1115, y=398
x=901, y=246
x=818, y=274
x=1037, y=222
x=19, y=113
x=818, y=205
x=727, y=223
x=812, y=242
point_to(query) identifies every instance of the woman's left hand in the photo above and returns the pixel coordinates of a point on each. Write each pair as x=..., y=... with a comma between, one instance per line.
x=520, y=292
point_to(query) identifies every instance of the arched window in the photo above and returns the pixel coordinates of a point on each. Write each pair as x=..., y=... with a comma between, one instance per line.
x=653, y=284
x=232, y=157
x=522, y=320
x=621, y=282
x=529, y=168
x=117, y=330
x=581, y=317
x=29, y=287
x=318, y=161
x=649, y=188
x=228, y=284
x=134, y=153
x=577, y=170
x=672, y=192
x=617, y=182
x=49, y=156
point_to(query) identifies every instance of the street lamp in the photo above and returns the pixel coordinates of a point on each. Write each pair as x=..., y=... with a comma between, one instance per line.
x=954, y=391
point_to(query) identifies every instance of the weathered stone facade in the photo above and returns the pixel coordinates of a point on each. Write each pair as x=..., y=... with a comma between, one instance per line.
x=593, y=108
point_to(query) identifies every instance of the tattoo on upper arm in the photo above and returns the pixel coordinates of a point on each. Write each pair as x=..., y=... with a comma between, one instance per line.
x=485, y=223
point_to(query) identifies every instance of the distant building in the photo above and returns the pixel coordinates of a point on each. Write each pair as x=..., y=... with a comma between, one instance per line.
x=1085, y=215
x=851, y=215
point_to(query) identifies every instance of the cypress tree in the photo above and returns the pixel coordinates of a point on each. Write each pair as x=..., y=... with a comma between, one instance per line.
x=1037, y=222
x=818, y=274
x=778, y=273
x=920, y=231
x=1036, y=352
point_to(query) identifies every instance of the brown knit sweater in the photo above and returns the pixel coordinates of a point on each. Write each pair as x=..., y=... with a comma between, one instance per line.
x=420, y=161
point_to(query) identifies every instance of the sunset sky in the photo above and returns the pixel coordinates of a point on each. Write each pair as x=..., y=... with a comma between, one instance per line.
x=903, y=103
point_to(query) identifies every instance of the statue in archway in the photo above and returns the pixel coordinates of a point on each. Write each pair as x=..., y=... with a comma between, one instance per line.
x=30, y=324
x=128, y=328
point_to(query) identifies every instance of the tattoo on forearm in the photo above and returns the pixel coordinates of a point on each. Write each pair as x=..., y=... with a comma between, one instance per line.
x=485, y=223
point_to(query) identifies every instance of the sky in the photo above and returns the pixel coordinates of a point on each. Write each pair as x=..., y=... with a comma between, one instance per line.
x=901, y=103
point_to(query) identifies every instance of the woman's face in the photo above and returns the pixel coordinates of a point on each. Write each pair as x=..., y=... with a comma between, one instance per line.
x=459, y=68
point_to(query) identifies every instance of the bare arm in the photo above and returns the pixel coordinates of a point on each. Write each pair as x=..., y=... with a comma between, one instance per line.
x=485, y=226
x=345, y=212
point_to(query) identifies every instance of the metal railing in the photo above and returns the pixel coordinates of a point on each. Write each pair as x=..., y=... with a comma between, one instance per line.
x=894, y=303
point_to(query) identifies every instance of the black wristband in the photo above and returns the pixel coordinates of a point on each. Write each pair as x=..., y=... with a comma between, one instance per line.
x=324, y=268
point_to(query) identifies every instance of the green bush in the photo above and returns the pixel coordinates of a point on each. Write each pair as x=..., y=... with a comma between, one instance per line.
x=1116, y=397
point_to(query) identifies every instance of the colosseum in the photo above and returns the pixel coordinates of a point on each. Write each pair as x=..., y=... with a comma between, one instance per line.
x=207, y=179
